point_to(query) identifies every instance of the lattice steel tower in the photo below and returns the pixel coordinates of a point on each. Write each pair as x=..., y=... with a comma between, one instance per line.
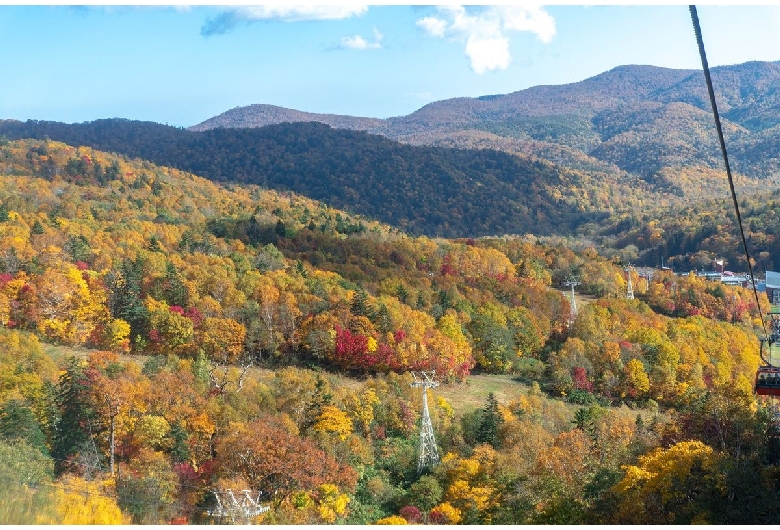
x=231, y=510
x=429, y=453
x=573, y=314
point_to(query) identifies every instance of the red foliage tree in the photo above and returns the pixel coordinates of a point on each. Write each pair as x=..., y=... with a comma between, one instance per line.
x=412, y=514
x=580, y=379
x=351, y=350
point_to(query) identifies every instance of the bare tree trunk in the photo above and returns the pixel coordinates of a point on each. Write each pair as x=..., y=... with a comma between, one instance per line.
x=112, y=413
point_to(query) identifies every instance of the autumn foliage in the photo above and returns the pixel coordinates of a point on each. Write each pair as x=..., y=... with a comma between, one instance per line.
x=162, y=338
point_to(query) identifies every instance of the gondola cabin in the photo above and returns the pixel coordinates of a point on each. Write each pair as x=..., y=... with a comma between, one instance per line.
x=768, y=381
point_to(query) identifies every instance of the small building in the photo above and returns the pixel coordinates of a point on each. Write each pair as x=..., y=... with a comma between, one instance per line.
x=726, y=278
x=773, y=286
x=741, y=281
x=713, y=276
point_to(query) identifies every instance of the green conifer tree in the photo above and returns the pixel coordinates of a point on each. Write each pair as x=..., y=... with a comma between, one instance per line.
x=17, y=422
x=76, y=421
x=490, y=423
x=360, y=307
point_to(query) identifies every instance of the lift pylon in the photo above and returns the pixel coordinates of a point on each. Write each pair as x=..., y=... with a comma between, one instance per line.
x=429, y=452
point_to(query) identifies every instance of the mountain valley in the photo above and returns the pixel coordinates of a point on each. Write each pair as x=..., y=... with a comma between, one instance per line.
x=360, y=321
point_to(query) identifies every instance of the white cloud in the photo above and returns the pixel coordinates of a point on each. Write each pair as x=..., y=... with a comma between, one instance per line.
x=434, y=26
x=489, y=53
x=357, y=42
x=531, y=18
x=227, y=20
x=485, y=32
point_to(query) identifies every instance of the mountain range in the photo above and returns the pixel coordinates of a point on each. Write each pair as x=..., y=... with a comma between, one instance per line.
x=601, y=158
x=638, y=119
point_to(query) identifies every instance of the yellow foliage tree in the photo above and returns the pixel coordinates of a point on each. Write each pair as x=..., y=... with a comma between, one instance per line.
x=332, y=503
x=333, y=420
x=637, y=382
x=69, y=310
x=222, y=339
x=151, y=430
x=446, y=513
x=659, y=488
x=81, y=502
x=361, y=408
x=450, y=327
x=470, y=485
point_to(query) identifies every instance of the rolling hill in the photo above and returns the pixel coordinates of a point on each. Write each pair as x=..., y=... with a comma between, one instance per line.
x=601, y=121
x=600, y=159
x=436, y=191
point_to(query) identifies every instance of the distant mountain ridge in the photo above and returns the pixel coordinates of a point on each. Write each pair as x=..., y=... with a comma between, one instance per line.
x=547, y=160
x=616, y=86
x=599, y=121
x=262, y=115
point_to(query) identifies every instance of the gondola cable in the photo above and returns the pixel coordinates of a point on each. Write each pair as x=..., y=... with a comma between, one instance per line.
x=768, y=376
x=711, y=90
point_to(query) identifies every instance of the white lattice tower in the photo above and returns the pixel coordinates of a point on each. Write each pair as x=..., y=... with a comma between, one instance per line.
x=571, y=282
x=230, y=508
x=429, y=453
x=629, y=287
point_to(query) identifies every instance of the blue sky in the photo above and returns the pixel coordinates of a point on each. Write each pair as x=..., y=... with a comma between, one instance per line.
x=184, y=64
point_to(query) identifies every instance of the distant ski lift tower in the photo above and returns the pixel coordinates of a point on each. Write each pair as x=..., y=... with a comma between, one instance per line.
x=630, y=287
x=429, y=453
x=573, y=315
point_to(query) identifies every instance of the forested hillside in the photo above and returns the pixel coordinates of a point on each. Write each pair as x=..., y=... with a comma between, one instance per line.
x=163, y=337
x=693, y=238
x=421, y=190
x=635, y=143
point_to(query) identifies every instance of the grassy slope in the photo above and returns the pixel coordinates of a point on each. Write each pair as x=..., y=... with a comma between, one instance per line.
x=463, y=397
x=473, y=392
